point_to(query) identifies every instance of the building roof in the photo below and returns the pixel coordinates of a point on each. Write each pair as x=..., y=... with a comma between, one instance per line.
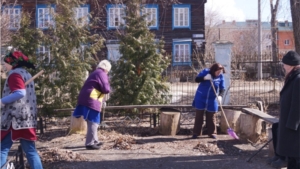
x=282, y=26
x=245, y=25
x=285, y=26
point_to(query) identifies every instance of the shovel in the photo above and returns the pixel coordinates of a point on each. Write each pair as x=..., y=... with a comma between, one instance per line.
x=229, y=130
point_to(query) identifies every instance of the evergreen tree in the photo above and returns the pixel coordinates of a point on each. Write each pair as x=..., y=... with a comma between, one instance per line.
x=137, y=76
x=67, y=66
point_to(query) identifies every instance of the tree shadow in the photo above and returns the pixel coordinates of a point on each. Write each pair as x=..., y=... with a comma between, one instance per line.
x=148, y=160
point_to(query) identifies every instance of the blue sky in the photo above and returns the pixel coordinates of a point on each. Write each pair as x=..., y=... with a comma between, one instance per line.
x=240, y=10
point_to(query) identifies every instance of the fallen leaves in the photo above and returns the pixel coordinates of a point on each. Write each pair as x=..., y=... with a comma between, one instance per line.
x=50, y=155
x=208, y=149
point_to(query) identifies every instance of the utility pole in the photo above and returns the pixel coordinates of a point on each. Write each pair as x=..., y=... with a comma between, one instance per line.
x=259, y=70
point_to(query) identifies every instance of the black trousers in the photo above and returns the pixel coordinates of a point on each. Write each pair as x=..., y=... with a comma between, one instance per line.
x=210, y=122
x=293, y=163
x=275, y=134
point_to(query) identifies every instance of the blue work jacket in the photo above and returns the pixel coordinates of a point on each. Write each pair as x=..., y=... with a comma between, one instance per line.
x=205, y=97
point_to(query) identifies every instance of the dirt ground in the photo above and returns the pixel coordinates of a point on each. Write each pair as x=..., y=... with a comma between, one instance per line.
x=142, y=147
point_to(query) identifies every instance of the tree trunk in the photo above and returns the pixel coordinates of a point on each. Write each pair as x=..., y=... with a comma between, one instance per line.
x=250, y=127
x=78, y=125
x=233, y=120
x=271, y=146
x=274, y=10
x=169, y=123
x=295, y=11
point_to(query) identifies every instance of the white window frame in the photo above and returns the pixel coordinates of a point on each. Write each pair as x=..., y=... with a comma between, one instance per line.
x=115, y=14
x=113, y=52
x=287, y=42
x=44, y=51
x=181, y=16
x=81, y=15
x=182, y=52
x=80, y=50
x=12, y=14
x=152, y=15
x=44, y=16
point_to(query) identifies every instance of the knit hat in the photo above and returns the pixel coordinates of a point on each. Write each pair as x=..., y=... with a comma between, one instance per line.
x=291, y=58
x=18, y=59
x=104, y=64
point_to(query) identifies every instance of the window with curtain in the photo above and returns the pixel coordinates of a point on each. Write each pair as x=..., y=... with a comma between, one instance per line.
x=45, y=16
x=181, y=16
x=81, y=15
x=12, y=16
x=115, y=16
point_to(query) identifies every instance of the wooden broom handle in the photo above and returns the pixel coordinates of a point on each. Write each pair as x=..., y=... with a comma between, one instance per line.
x=35, y=76
x=220, y=104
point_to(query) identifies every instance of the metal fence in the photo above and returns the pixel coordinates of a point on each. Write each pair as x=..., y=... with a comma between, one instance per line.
x=244, y=87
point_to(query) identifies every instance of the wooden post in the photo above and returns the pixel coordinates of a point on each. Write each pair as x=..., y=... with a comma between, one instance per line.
x=232, y=118
x=250, y=127
x=271, y=146
x=169, y=121
x=78, y=125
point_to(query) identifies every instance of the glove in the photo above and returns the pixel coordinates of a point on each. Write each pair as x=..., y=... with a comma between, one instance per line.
x=220, y=99
x=207, y=77
x=2, y=105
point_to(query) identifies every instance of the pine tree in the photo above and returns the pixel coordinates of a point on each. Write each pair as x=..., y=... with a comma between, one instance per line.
x=137, y=76
x=65, y=70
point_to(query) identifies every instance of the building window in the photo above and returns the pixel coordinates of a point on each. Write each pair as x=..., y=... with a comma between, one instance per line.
x=182, y=52
x=152, y=15
x=268, y=47
x=287, y=42
x=181, y=16
x=115, y=16
x=12, y=17
x=44, y=54
x=113, y=52
x=81, y=15
x=44, y=16
x=80, y=51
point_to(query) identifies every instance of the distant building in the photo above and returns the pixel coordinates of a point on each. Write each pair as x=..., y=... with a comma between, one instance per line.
x=245, y=38
x=244, y=35
x=285, y=37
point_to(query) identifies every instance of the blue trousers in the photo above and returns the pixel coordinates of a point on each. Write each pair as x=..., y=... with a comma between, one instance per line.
x=27, y=146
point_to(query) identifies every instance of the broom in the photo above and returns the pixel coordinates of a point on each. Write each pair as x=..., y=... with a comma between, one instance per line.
x=229, y=130
x=35, y=76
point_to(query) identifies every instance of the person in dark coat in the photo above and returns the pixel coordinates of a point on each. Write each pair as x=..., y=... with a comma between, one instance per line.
x=288, y=130
x=205, y=100
x=277, y=161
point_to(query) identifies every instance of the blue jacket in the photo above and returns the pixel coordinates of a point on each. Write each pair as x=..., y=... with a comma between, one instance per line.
x=205, y=98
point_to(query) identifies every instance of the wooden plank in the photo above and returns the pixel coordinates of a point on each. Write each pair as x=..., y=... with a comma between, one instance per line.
x=262, y=115
x=154, y=106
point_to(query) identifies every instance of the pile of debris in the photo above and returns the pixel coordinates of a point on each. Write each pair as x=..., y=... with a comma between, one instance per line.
x=120, y=141
x=124, y=143
x=208, y=149
x=50, y=155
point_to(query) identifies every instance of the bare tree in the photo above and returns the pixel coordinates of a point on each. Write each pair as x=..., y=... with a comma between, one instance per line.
x=274, y=10
x=295, y=6
x=212, y=20
x=5, y=33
